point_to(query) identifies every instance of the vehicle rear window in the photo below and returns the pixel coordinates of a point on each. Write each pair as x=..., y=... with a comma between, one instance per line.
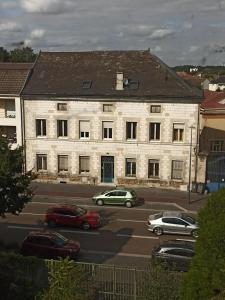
x=59, y=239
x=133, y=193
x=158, y=216
x=188, y=219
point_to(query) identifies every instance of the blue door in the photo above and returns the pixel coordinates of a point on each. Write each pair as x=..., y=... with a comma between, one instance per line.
x=107, y=169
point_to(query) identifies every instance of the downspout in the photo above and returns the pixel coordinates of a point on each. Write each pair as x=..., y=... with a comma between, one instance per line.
x=197, y=145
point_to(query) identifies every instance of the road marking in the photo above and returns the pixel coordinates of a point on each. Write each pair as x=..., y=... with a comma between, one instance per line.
x=32, y=214
x=24, y=227
x=186, y=240
x=79, y=232
x=138, y=236
x=115, y=253
x=128, y=220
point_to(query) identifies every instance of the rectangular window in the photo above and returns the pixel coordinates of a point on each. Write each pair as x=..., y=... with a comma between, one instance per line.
x=40, y=127
x=131, y=130
x=41, y=162
x=10, y=108
x=131, y=167
x=177, y=169
x=84, y=164
x=62, y=163
x=155, y=109
x=107, y=130
x=178, y=132
x=216, y=146
x=154, y=131
x=62, y=128
x=153, y=168
x=84, y=129
x=107, y=107
x=62, y=106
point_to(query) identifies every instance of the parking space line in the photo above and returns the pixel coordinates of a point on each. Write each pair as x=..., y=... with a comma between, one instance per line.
x=24, y=227
x=186, y=240
x=116, y=254
x=79, y=232
x=128, y=220
x=138, y=236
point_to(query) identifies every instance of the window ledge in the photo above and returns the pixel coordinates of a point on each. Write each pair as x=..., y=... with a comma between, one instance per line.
x=63, y=137
x=41, y=136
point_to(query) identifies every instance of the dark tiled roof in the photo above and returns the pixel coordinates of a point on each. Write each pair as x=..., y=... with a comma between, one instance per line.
x=63, y=73
x=213, y=101
x=220, y=79
x=13, y=77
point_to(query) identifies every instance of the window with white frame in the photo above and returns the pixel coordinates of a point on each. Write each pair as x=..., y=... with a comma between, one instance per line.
x=62, y=106
x=155, y=108
x=216, y=146
x=153, y=168
x=177, y=169
x=107, y=129
x=62, y=163
x=62, y=130
x=84, y=129
x=131, y=130
x=178, y=132
x=154, y=131
x=40, y=127
x=84, y=164
x=41, y=162
x=130, y=167
x=107, y=107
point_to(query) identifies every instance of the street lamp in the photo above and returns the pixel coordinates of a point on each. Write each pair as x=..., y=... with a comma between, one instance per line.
x=190, y=156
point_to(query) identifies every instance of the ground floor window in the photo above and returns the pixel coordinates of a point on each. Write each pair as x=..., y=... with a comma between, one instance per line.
x=62, y=163
x=177, y=169
x=84, y=164
x=153, y=168
x=131, y=167
x=41, y=162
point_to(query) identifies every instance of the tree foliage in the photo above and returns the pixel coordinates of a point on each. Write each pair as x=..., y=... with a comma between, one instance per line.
x=14, y=185
x=206, y=278
x=25, y=54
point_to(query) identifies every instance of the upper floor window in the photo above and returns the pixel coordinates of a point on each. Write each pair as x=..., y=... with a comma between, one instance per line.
x=155, y=108
x=87, y=84
x=40, y=127
x=131, y=167
x=84, y=166
x=41, y=162
x=62, y=128
x=216, y=146
x=177, y=169
x=62, y=163
x=178, y=132
x=62, y=106
x=107, y=107
x=84, y=129
x=107, y=130
x=154, y=132
x=131, y=130
x=153, y=168
x=10, y=108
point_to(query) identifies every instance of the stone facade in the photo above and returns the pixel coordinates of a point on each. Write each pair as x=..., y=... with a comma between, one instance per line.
x=141, y=149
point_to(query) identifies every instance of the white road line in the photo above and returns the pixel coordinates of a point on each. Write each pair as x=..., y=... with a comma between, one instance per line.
x=24, y=227
x=138, y=236
x=128, y=220
x=32, y=214
x=186, y=240
x=79, y=232
x=115, y=253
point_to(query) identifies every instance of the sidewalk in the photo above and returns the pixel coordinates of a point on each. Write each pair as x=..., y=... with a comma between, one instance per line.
x=148, y=194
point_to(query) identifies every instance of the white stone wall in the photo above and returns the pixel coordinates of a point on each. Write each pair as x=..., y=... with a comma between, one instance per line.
x=142, y=149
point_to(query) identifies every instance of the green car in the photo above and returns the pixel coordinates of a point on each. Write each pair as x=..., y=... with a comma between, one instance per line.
x=120, y=197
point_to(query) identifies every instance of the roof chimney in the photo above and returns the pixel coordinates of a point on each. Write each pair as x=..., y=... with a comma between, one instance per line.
x=119, y=81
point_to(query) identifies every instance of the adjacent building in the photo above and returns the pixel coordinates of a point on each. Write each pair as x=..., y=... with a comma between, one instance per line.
x=12, y=81
x=117, y=117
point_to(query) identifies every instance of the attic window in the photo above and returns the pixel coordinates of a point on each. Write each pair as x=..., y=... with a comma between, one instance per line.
x=87, y=84
x=134, y=85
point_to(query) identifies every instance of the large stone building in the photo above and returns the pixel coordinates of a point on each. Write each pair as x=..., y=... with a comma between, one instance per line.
x=119, y=117
x=12, y=81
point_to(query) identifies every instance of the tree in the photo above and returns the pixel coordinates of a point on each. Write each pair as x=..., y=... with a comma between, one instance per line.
x=26, y=54
x=14, y=185
x=67, y=281
x=4, y=55
x=206, y=277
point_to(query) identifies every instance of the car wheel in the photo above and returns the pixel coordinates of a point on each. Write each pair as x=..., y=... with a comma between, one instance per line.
x=85, y=225
x=158, y=231
x=195, y=234
x=128, y=204
x=100, y=202
x=51, y=223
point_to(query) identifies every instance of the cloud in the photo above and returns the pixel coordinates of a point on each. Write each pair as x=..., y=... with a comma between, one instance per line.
x=193, y=48
x=8, y=5
x=37, y=33
x=161, y=33
x=9, y=26
x=46, y=6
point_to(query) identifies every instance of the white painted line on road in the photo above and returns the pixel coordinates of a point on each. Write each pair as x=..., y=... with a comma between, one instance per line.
x=32, y=214
x=127, y=220
x=79, y=232
x=24, y=227
x=186, y=240
x=138, y=236
x=116, y=254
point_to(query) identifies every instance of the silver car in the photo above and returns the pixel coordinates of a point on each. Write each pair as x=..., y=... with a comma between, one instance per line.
x=172, y=222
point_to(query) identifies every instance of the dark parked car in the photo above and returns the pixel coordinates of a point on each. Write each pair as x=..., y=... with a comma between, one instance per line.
x=49, y=245
x=71, y=215
x=174, y=253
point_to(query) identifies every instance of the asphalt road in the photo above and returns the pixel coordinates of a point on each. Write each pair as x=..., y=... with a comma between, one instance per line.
x=123, y=239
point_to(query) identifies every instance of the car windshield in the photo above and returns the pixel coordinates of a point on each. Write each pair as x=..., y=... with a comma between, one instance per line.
x=80, y=211
x=188, y=219
x=59, y=239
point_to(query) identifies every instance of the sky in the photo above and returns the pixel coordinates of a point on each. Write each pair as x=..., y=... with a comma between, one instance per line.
x=177, y=31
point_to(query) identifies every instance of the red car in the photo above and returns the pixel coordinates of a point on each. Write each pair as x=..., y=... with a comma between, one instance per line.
x=49, y=245
x=71, y=215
